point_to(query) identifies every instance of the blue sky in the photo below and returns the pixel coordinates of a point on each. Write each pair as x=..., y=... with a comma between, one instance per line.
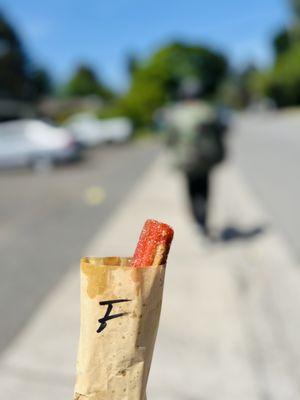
x=60, y=34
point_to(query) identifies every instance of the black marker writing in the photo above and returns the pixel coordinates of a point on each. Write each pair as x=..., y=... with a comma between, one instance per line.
x=107, y=315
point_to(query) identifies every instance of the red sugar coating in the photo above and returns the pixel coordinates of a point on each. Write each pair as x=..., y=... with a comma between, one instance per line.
x=154, y=244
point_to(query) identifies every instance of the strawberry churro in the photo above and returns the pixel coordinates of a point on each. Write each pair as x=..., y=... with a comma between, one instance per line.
x=154, y=245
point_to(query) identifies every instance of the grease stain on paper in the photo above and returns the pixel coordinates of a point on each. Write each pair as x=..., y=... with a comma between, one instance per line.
x=97, y=273
x=97, y=279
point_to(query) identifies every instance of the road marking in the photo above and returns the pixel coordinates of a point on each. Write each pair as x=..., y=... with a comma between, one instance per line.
x=94, y=195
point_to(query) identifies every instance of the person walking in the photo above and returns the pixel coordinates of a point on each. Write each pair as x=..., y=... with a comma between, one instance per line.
x=195, y=132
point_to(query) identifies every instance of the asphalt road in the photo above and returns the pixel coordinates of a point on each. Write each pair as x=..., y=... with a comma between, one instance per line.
x=266, y=147
x=46, y=220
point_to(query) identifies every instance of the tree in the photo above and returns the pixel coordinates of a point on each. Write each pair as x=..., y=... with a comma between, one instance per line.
x=132, y=63
x=85, y=82
x=158, y=79
x=296, y=9
x=19, y=79
x=176, y=62
x=295, y=26
x=283, y=83
x=42, y=82
x=282, y=42
x=15, y=78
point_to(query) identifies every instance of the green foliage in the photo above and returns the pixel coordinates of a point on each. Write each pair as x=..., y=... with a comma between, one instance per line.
x=14, y=66
x=157, y=79
x=238, y=89
x=296, y=8
x=284, y=82
x=18, y=78
x=233, y=93
x=131, y=63
x=259, y=82
x=282, y=42
x=42, y=82
x=172, y=64
x=295, y=26
x=85, y=82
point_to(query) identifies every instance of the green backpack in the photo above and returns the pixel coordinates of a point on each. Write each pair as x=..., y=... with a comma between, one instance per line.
x=201, y=150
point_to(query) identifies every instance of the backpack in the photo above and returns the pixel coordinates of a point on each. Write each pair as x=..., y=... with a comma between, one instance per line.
x=202, y=149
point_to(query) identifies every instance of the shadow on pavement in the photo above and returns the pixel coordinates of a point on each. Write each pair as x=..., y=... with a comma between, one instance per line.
x=231, y=233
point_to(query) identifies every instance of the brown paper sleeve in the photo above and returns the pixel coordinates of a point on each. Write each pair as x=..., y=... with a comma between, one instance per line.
x=114, y=363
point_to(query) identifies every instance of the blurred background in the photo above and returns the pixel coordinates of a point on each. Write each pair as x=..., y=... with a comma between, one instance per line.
x=95, y=95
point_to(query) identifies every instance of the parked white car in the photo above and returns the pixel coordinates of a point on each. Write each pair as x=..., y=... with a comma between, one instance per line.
x=35, y=143
x=91, y=131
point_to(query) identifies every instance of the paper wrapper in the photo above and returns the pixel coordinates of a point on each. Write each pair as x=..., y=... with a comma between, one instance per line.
x=114, y=360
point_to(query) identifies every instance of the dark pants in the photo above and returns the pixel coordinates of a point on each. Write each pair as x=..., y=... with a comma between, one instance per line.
x=198, y=189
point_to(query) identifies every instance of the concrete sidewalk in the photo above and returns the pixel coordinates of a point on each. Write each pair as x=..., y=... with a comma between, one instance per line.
x=231, y=314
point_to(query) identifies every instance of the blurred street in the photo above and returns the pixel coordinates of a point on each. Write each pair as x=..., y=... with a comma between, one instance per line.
x=47, y=219
x=266, y=148
x=239, y=338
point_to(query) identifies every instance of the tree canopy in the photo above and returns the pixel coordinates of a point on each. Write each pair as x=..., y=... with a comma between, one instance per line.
x=19, y=79
x=85, y=82
x=282, y=42
x=172, y=64
x=281, y=81
x=15, y=76
x=296, y=8
x=157, y=80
